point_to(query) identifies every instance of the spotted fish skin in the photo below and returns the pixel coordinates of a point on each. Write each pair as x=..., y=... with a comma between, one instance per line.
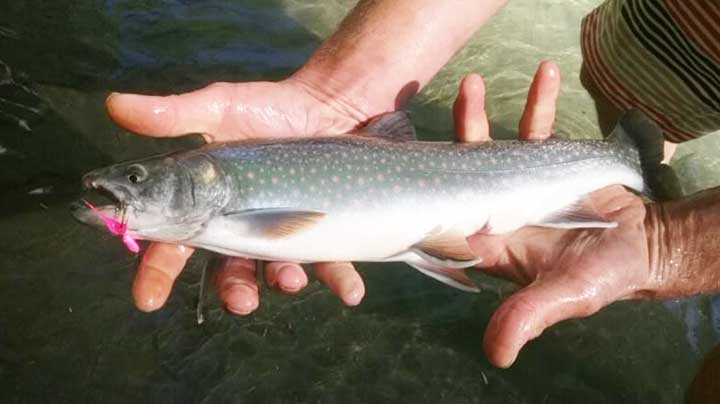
x=372, y=196
x=334, y=173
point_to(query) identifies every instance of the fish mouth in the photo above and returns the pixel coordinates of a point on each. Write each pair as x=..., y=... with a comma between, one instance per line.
x=107, y=199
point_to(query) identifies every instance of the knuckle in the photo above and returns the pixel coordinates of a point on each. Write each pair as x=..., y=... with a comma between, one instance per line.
x=161, y=273
x=235, y=283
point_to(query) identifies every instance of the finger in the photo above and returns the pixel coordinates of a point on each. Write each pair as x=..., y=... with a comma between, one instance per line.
x=199, y=111
x=160, y=266
x=539, y=115
x=527, y=313
x=237, y=285
x=285, y=276
x=343, y=279
x=471, y=123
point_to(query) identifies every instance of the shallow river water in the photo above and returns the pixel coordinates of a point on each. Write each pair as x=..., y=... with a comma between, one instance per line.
x=68, y=329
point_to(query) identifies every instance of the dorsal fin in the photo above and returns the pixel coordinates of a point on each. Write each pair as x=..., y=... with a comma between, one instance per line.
x=392, y=125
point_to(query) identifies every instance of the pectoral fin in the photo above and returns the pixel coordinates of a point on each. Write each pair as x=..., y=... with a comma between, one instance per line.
x=277, y=222
x=581, y=214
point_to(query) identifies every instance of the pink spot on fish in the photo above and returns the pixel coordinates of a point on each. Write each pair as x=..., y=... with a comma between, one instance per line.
x=116, y=227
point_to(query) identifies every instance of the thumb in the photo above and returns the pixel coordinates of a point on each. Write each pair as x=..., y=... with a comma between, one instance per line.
x=527, y=313
x=199, y=111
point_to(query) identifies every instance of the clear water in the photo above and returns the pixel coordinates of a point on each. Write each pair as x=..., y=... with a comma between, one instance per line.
x=68, y=329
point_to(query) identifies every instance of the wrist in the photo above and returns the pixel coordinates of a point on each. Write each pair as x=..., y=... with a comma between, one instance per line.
x=662, y=266
x=385, y=51
x=328, y=112
x=344, y=89
x=684, y=246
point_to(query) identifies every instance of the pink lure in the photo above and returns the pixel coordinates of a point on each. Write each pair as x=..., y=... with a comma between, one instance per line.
x=117, y=228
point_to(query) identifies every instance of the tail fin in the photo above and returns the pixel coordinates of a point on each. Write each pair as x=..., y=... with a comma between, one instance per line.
x=636, y=130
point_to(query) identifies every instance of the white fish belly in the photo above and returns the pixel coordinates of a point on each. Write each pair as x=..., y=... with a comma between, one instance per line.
x=353, y=235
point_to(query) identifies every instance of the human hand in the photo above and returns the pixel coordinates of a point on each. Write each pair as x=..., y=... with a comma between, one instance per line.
x=360, y=72
x=236, y=111
x=563, y=273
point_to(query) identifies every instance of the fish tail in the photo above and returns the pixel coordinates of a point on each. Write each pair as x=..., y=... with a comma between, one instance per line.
x=637, y=131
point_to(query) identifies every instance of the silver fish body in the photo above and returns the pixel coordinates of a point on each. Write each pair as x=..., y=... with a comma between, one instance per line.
x=373, y=196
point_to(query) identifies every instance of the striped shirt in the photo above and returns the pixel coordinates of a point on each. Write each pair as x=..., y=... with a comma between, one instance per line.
x=660, y=56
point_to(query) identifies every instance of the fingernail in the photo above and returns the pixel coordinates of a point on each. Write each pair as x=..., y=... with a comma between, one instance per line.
x=149, y=294
x=150, y=301
x=241, y=310
x=109, y=102
x=474, y=81
x=354, y=296
x=244, y=304
x=109, y=99
x=552, y=70
x=147, y=305
x=509, y=362
x=288, y=280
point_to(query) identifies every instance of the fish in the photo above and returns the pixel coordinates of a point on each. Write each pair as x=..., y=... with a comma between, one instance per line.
x=375, y=195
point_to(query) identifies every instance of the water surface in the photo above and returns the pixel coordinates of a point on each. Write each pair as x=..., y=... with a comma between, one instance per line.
x=69, y=331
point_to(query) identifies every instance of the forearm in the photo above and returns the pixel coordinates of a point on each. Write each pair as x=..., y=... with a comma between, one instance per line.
x=385, y=51
x=684, y=241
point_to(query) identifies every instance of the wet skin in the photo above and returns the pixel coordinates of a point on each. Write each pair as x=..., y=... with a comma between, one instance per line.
x=352, y=77
x=594, y=267
x=236, y=283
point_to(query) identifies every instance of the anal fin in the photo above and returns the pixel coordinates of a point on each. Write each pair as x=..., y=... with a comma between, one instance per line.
x=446, y=262
x=454, y=277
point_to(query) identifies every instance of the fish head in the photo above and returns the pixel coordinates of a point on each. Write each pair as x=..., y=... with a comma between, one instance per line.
x=166, y=198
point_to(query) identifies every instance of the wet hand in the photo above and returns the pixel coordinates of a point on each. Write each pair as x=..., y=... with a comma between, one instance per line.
x=236, y=111
x=563, y=274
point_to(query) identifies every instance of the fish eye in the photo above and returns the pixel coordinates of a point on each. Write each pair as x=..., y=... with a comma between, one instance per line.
x=136, y=173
